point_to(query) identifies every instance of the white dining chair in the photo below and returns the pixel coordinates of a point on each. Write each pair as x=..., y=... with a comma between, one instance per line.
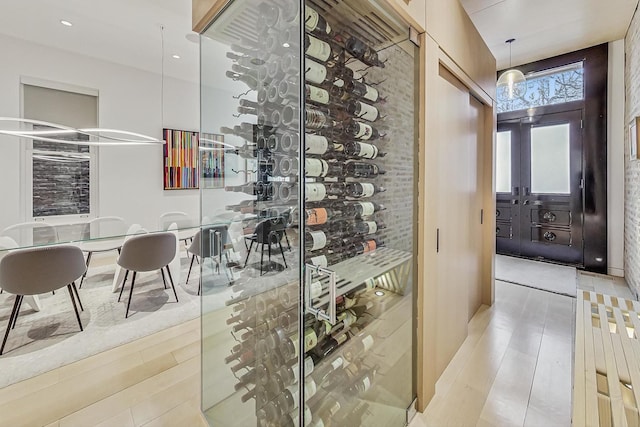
x=187, y=225
x=103, y=234
x=31, y=233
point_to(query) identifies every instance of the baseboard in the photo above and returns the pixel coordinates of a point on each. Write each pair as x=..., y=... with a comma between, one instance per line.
x=618, y=272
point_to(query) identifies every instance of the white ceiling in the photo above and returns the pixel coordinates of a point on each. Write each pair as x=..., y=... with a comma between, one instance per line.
x=122, y=31
x=545, y=28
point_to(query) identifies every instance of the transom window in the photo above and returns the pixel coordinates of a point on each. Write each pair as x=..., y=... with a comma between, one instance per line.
x=548, y=87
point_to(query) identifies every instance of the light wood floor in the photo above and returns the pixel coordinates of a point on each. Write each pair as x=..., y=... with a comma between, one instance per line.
x=154, y=381
x=515, y=367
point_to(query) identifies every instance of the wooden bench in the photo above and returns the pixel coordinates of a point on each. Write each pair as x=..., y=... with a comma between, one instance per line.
x=607, y=361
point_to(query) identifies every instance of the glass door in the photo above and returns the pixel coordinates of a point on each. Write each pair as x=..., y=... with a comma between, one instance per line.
x=250, y=245
x=360, y=201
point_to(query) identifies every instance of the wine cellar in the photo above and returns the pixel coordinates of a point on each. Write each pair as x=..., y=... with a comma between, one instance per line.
x=313, y=324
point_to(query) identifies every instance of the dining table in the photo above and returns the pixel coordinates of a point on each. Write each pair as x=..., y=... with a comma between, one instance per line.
x=90, y=239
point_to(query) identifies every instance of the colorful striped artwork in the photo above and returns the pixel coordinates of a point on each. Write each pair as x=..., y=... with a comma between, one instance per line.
x=180, y=160
x=212, y=160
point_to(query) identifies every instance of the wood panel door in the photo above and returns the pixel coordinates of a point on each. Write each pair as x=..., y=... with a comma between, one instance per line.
x=540, y=205
x=459, y=201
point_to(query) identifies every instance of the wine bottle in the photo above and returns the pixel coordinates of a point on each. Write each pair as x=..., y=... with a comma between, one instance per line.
x=359, y=346
x=288, y=88
x=346, y=88
x=360, y=209
x=320, y=216
x=367, y=227
x=360, y=50
x=250, y=81
x=316, y=95
x=244, y=131
x=317, y=119
x=362, y=189
x=359, y=130
x=320, y=168
x=246, y=151
x=331, y=344
x=319, y=49
x=287, y=165
x=316, y=192
x=252, y=188
x=320, y=145
x=315, y=240
x=361, y=149
x=360, y=110
x=315, y=23
x=359, y=169
x=363, y=381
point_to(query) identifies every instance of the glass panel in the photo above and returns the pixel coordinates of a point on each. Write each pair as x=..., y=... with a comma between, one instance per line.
x=503, y=162
x=359, y=206
x=548, y=87
x=250, y=70
x=550, y=159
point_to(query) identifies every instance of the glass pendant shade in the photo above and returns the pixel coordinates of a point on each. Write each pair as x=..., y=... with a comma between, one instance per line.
x=509, y=79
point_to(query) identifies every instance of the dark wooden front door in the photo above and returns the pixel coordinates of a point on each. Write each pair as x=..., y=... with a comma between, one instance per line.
x=540, y=187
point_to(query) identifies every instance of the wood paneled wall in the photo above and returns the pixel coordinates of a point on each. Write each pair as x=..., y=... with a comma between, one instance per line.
x=451, y=27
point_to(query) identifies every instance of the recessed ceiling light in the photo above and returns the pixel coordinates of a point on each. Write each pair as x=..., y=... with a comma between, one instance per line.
x=66, y=23
x=175, y=56
x=286, y=45
x=380, y=293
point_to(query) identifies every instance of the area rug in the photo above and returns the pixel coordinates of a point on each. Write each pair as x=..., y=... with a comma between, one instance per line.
x=51, y=338
x=559, y=279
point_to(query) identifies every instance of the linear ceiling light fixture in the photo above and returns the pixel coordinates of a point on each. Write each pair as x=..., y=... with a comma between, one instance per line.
x=61, y=134
x=510, y=79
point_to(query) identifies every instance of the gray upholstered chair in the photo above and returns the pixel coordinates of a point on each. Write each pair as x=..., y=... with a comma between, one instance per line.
x=207, y=245
x=37, y=271
x=147, y=252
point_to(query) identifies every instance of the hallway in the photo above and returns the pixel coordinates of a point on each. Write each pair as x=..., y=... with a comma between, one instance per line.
x=515, y=367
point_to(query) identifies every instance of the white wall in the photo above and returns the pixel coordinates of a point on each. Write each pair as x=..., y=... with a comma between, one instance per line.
x=130, y=178
x=615, y=158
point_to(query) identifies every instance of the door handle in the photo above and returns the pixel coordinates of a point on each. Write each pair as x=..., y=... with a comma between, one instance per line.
x=320, y=314
x=514, y=202
x=526, y=202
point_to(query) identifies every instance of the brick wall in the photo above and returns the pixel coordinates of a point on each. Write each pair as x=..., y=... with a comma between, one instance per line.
x=632, y=167
x=399, y=126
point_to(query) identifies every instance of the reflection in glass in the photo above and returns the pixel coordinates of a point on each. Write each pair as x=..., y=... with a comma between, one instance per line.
x=550, y=159
x=503, y=162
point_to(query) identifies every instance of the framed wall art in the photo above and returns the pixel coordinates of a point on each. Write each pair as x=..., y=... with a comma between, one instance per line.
x=180, y=160
x=212, y=160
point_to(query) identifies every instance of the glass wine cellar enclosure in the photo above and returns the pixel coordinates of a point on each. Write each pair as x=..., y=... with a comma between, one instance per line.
x=308, y=191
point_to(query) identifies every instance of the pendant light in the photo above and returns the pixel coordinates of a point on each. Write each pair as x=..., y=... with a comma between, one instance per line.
x=510, y=78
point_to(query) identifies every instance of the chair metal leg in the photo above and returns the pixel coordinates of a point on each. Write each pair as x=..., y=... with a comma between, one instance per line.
x=282, y=252
x=171, y=281
x=87, y=269
x=248, y=253
x=124, y=282
x=164, y=280
x=261, y=258
x=75, y=307
x=286, y=236
x=190, y=266
x=269, y=262
x=200, y=286
x=73, y=285
x=15, y=319
x=9, y=324
x=133, y=282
